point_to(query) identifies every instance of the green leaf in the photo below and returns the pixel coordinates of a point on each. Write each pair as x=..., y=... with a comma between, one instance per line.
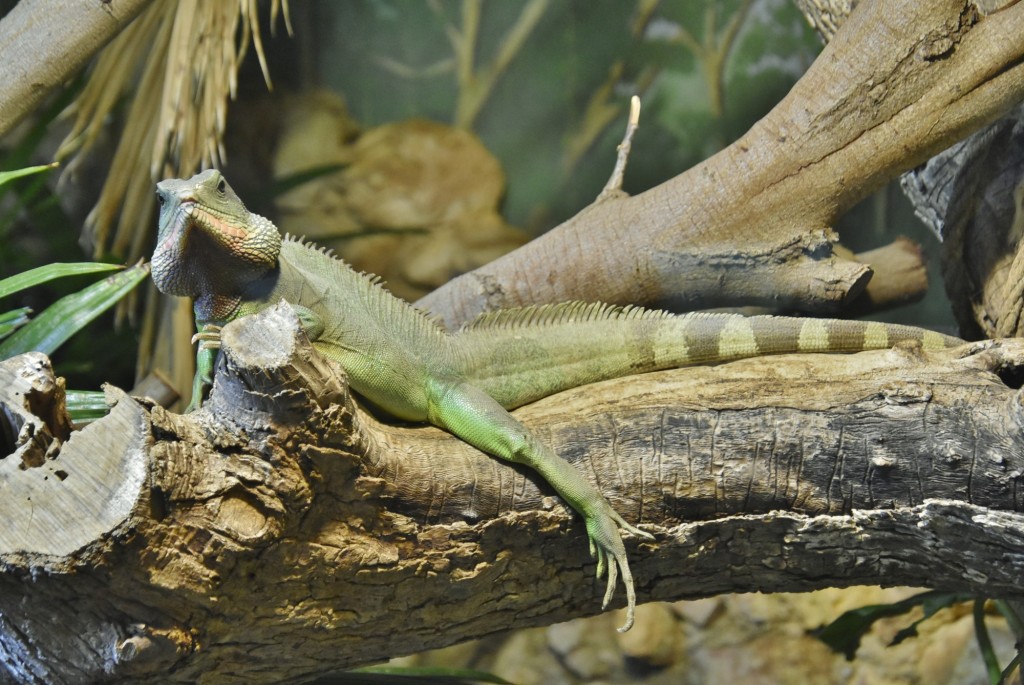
x=1004, y=677
x=12, y=320
x=845, y=633
x=7, y=176
x=988, y=653
x=85, y=406
x=1013, y=619
x=930, y=603
x=42, y=274
x=70, y=314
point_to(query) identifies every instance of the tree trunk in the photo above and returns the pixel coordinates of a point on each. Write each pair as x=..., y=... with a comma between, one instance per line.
x=283, y=531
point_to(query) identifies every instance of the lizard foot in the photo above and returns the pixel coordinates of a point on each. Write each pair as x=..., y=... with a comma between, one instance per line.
x=606, y=544
x=208, y=338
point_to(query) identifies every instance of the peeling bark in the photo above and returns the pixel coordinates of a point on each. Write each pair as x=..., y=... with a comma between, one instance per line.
x=283, y=531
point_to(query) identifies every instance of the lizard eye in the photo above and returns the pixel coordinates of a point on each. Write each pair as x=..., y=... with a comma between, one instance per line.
x=160, y=199
x=221, y=186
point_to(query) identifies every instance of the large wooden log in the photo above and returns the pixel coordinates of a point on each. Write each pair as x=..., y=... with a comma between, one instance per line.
x=283, y=531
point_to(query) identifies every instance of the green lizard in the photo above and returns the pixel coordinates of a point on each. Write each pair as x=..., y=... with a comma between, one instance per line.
x=234, y=263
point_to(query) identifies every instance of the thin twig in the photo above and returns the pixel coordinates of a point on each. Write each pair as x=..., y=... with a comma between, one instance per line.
x=603, y=107
x=614, y=186
x=477, y=83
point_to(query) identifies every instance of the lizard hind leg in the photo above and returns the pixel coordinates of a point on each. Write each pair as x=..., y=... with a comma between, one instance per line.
x=606, y=545
x=472, y=415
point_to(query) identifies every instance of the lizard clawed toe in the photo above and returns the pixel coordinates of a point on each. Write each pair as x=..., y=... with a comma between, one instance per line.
x=208, y=338
x=606, y=545
x=630, y=528
x=609, y=591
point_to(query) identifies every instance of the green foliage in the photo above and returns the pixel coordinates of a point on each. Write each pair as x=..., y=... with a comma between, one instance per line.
x=19, y=333
x=43, y=274
x=86, y=406
x=8, y=176
x=70, y=314
x=845, y=633
x=24, y=193
x=988, y=653
x=58, y=322
x=24, y=196
x=12, y=320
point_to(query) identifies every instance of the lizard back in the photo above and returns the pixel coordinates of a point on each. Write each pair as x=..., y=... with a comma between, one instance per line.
x=382, y=341
x=547, y=348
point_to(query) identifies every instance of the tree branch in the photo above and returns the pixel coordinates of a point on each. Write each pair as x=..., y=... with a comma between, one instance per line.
x=899, y=276
x=43, y=43
x=899, y=82
x=283, y=532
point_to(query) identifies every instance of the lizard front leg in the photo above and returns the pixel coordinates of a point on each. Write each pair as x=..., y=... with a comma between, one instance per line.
x=208, y=338
x=474, y=416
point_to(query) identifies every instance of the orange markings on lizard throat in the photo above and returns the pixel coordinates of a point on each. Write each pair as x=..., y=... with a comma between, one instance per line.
x=216, y=225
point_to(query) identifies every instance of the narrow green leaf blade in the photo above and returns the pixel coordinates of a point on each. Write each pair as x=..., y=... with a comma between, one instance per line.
x=12, y=320
x=85, y=406
x=68, y=315
x=932, y=603
x=49, y=272
x=7, y=176
x=845, y=633
x=1004, y=677
x=988, y=652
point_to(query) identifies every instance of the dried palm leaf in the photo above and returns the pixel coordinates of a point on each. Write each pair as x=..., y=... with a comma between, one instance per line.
x=190, y=52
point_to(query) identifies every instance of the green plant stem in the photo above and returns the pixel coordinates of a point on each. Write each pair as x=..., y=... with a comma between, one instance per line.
x=988, y=654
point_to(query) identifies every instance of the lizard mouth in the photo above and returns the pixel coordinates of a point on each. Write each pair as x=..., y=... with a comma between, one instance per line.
x=178, y=225
x=175, y=224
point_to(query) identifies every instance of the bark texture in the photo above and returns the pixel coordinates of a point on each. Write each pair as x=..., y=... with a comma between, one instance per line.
x=283, y=532
x=972, y=196
x=751, y=225
x=44, y=43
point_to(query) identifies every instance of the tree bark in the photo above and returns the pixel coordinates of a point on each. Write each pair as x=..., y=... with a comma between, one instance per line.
x=971, y=195
x=283, y=531
x=751, y=226
x=44, y=43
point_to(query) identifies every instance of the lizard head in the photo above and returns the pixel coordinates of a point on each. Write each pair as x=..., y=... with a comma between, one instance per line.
x=208, y=243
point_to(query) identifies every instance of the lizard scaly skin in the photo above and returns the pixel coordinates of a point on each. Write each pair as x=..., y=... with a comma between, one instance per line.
x=234, y=263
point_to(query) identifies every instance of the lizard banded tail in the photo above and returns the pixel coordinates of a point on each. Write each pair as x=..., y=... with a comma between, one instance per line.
x=541, y=350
